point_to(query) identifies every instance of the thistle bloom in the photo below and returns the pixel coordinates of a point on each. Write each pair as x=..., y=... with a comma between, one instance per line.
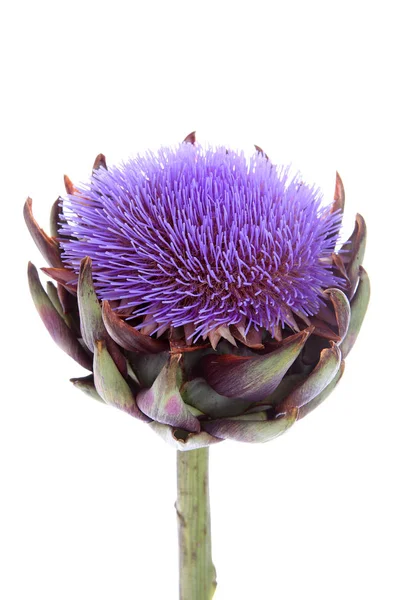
x=202, y=239
x=205, y=292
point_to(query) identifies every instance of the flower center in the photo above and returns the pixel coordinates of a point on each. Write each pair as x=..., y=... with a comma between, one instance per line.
x=202, y=237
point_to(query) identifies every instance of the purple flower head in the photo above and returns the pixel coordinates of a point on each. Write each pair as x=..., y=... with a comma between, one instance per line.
x=203, y=238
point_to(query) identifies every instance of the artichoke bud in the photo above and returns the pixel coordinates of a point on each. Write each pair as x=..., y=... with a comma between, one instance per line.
x=215, y=308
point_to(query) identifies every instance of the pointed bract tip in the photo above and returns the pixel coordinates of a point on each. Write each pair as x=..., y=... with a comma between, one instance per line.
x=85, y=272
x=355, y=257
x=86, y=264
x=27, y=210
x=191, y=138
x=69, y=186
x=339, y=196
x=55, y=215
x=261, y=151
x=47, y=245
x=100, y=161
x=31, y=269
x=302, y=336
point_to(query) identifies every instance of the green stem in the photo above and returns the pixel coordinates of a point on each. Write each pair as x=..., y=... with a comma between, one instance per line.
x=197, y=577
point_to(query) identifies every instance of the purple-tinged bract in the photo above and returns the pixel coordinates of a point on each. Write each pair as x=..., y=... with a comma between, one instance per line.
x=203, y=237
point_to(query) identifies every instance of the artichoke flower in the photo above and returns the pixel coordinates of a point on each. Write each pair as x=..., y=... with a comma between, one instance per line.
x=208, y=295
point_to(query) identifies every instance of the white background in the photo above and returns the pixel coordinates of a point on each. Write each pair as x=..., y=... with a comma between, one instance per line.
x=87, y=492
